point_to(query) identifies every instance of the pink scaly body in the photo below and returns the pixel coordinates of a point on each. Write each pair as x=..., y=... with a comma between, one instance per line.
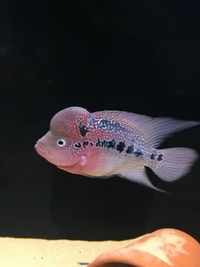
x=107, y=143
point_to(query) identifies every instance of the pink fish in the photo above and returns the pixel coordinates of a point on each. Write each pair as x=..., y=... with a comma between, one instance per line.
x=107, y=143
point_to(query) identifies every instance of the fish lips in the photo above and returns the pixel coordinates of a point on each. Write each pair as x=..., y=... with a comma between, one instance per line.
x=43, y=152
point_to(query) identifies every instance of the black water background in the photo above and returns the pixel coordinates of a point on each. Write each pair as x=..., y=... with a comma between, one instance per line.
x=139, y=56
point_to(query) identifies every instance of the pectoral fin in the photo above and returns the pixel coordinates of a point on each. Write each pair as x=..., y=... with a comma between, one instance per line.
x=139, y=176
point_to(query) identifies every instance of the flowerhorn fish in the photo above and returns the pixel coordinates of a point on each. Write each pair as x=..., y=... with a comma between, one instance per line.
x=107, y=143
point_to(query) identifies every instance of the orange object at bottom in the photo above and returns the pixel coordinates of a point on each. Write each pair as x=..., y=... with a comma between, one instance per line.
x=162, y=248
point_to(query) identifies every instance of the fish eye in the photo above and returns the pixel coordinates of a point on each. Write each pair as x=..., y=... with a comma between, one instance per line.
x=61, y=142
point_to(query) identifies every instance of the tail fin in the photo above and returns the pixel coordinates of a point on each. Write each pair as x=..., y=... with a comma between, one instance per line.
x=175, y=163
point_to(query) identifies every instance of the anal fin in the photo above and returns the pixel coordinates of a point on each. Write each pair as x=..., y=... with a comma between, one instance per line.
x=139, y=175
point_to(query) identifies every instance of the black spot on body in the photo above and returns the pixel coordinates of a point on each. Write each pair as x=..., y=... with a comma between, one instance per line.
x=130, y=149
x=152, y=156
x=138, y=153
x=160, y=157
x=85, y=143
x=83, y=130
x=104, y=143
x=111, y=144
x=77, y=145
x=91, y=144
x=105, y=122
x=98, y=143
x=120, y=146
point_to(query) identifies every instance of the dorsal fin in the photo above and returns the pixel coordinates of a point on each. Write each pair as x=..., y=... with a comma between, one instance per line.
x=154, y=130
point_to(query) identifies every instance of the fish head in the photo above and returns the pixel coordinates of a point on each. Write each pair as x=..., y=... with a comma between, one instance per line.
x=57, y=145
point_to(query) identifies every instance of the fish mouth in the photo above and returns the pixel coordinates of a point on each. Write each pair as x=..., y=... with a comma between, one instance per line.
x=42, y=151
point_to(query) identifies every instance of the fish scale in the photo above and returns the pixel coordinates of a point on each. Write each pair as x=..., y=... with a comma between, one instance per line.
x=122, y=135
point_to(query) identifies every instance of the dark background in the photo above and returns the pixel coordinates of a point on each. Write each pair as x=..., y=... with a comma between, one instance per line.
x=139, y=56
